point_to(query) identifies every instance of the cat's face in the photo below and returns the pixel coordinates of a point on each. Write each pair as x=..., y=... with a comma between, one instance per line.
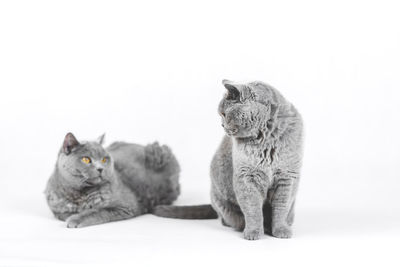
x=242, y=116
x=84, y=164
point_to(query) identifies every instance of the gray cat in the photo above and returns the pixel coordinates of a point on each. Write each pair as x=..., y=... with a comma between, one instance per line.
x=92, y=185
x=255, y=171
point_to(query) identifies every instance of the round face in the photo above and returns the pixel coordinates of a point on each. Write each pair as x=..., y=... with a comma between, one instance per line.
x=241, y=117
x=88, y=164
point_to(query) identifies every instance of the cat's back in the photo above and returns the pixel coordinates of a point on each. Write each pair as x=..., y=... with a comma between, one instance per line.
x=153, y=157
x=127, y=154
x=151, y=171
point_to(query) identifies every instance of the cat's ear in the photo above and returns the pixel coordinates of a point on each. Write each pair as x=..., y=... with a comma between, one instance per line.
x=101, y=139
x=233, y=90
x=70, y=142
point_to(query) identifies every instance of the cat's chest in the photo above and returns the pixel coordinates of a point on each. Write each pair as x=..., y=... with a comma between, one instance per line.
x=95, y=199
x=261, y=157
x=88, y=199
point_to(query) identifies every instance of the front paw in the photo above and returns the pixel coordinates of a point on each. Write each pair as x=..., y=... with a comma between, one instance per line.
x=74, y=221
x=79, y=221
x=252, y=234
x=282, y=231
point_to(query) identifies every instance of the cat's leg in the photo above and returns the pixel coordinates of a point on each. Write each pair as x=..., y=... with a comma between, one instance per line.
x=224, y=223
x=63, y=215
x=290, y=217
x=233, y=218
x=230, y=215
x=283, y=206
x=61, y=208
x=99, y=216
x=250, y=187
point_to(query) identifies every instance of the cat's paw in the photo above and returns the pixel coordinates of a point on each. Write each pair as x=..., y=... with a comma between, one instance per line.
x=282, y=232
x=79, y=221
x=224, y=223
x=74, y=221
x=252, y=234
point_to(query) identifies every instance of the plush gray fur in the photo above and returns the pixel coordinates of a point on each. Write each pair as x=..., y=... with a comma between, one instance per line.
x=131, y=182
x=256, y=169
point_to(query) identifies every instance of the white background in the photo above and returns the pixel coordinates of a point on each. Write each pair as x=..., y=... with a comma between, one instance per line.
x=152, y=70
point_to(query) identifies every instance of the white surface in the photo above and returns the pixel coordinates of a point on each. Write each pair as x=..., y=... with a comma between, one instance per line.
x=153, y=70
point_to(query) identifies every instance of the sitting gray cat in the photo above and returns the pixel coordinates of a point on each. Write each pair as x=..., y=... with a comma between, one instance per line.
x=255, y=171
x=92, y=185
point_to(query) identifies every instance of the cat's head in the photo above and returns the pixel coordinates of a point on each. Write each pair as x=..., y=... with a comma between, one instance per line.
x=244, y=109
x=84, y=164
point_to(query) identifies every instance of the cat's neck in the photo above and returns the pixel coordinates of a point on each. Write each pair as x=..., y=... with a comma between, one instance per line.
x=262, y=139
x=271, y=131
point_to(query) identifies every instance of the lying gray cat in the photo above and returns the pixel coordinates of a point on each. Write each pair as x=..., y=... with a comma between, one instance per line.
x=255, y=171
x=92, y=185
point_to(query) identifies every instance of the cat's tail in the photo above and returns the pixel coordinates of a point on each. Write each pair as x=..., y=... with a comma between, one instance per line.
x=185, y=212
x=157, y=156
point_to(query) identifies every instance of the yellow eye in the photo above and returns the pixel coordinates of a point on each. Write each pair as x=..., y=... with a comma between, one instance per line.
x=104, y=160
x=86, y=160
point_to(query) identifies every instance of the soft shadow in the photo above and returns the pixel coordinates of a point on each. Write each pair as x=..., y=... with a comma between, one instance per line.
x=317, y=222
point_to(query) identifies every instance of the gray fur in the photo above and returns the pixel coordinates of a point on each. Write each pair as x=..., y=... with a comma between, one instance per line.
x=131, y=182
x=186, y=212
x=256, y=169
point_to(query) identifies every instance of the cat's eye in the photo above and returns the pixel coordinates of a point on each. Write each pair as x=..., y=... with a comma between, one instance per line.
x=86, y=160
x=104, y=160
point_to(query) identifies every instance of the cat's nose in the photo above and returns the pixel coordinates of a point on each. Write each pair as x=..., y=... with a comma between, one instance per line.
x=100, y=170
